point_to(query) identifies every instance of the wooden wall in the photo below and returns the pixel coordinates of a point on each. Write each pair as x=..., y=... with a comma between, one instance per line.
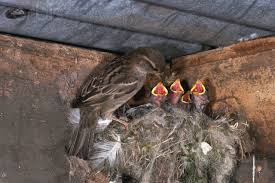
x=37, y=81
x=241, y=78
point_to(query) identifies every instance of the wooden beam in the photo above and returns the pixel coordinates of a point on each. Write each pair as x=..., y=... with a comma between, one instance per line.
x=241, y=79
x=47, y=63
x=36, y=80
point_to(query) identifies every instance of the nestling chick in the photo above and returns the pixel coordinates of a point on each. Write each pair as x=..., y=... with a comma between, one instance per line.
x=199, y=96
x=186, y=101
x=159, y=93
x=176, y=92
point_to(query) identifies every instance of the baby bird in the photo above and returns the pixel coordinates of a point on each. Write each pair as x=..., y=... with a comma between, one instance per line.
x=176, y=92
x=199, y=96
x=186, y=101
x=159, y=93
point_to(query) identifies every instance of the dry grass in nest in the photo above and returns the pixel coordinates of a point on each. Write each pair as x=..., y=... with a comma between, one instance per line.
x=164, y=145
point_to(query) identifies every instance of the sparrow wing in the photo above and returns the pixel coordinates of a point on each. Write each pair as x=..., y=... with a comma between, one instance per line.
x=111, y=85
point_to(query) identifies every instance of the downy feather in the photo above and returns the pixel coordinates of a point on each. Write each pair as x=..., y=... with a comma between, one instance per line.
x=102, y=124
x=106, y=151
x=74, y=116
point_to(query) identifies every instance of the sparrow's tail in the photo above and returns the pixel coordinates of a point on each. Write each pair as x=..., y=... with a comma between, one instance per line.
x=81, y=143
x=82, y=137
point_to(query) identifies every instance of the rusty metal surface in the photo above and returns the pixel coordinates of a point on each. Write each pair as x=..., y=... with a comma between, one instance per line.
x=37, y=81
x=241, y=78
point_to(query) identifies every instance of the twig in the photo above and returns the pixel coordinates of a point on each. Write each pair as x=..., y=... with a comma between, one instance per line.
x=147, y=175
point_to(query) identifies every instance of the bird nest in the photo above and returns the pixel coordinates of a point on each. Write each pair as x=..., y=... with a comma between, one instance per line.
x=169, y=144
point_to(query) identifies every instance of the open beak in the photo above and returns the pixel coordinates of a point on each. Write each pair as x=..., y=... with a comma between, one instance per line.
x=176, y=87
x=159, y=90
x=186, y=98
x=198, y=88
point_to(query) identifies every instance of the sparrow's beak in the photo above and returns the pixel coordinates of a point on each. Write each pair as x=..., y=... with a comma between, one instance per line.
x=186, y=98
x=159, y=90
x=198, y=88
x=176, y=87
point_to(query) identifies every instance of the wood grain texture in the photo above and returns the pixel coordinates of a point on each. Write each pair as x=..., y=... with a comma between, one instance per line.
x=37, y=82
x=241, y=79
x=46, y=63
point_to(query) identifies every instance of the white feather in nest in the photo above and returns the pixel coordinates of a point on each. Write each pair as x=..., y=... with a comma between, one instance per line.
x=102, y=124
x=106, y=152
x=74, y=116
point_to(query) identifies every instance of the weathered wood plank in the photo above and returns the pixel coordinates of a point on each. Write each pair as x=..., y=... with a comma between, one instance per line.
x=36, y=80
x=46, y=63
x=241, y=78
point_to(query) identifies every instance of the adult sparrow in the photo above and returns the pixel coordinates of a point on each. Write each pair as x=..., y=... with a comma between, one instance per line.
x=108, y=87
x=159, y=93
x=176, y=92
x=199, y=96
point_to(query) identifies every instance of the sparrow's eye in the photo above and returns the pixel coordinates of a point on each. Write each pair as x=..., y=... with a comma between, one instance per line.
x=156, y=69
x=159, y=90
x=176, y=87
x=198, y=88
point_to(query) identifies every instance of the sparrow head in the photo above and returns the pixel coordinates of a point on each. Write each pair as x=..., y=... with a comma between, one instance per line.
x=198, y=88
x=150, y=60
x=159, y=90
x=176, y=87
x=186, y=98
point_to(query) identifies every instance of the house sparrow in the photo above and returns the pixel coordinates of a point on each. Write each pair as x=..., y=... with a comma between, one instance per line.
x=186, y=101
x=107, y=88
x=159, y=93
x=176, y=92
x=199, y=96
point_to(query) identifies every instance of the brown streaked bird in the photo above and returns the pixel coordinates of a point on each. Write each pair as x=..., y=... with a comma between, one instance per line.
x=186, y=101
x=199, y=96
x=159, y=93
x=108, y=87
x=176, y=92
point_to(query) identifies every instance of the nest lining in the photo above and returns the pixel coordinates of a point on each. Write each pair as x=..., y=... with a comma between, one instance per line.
x=165, y=145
